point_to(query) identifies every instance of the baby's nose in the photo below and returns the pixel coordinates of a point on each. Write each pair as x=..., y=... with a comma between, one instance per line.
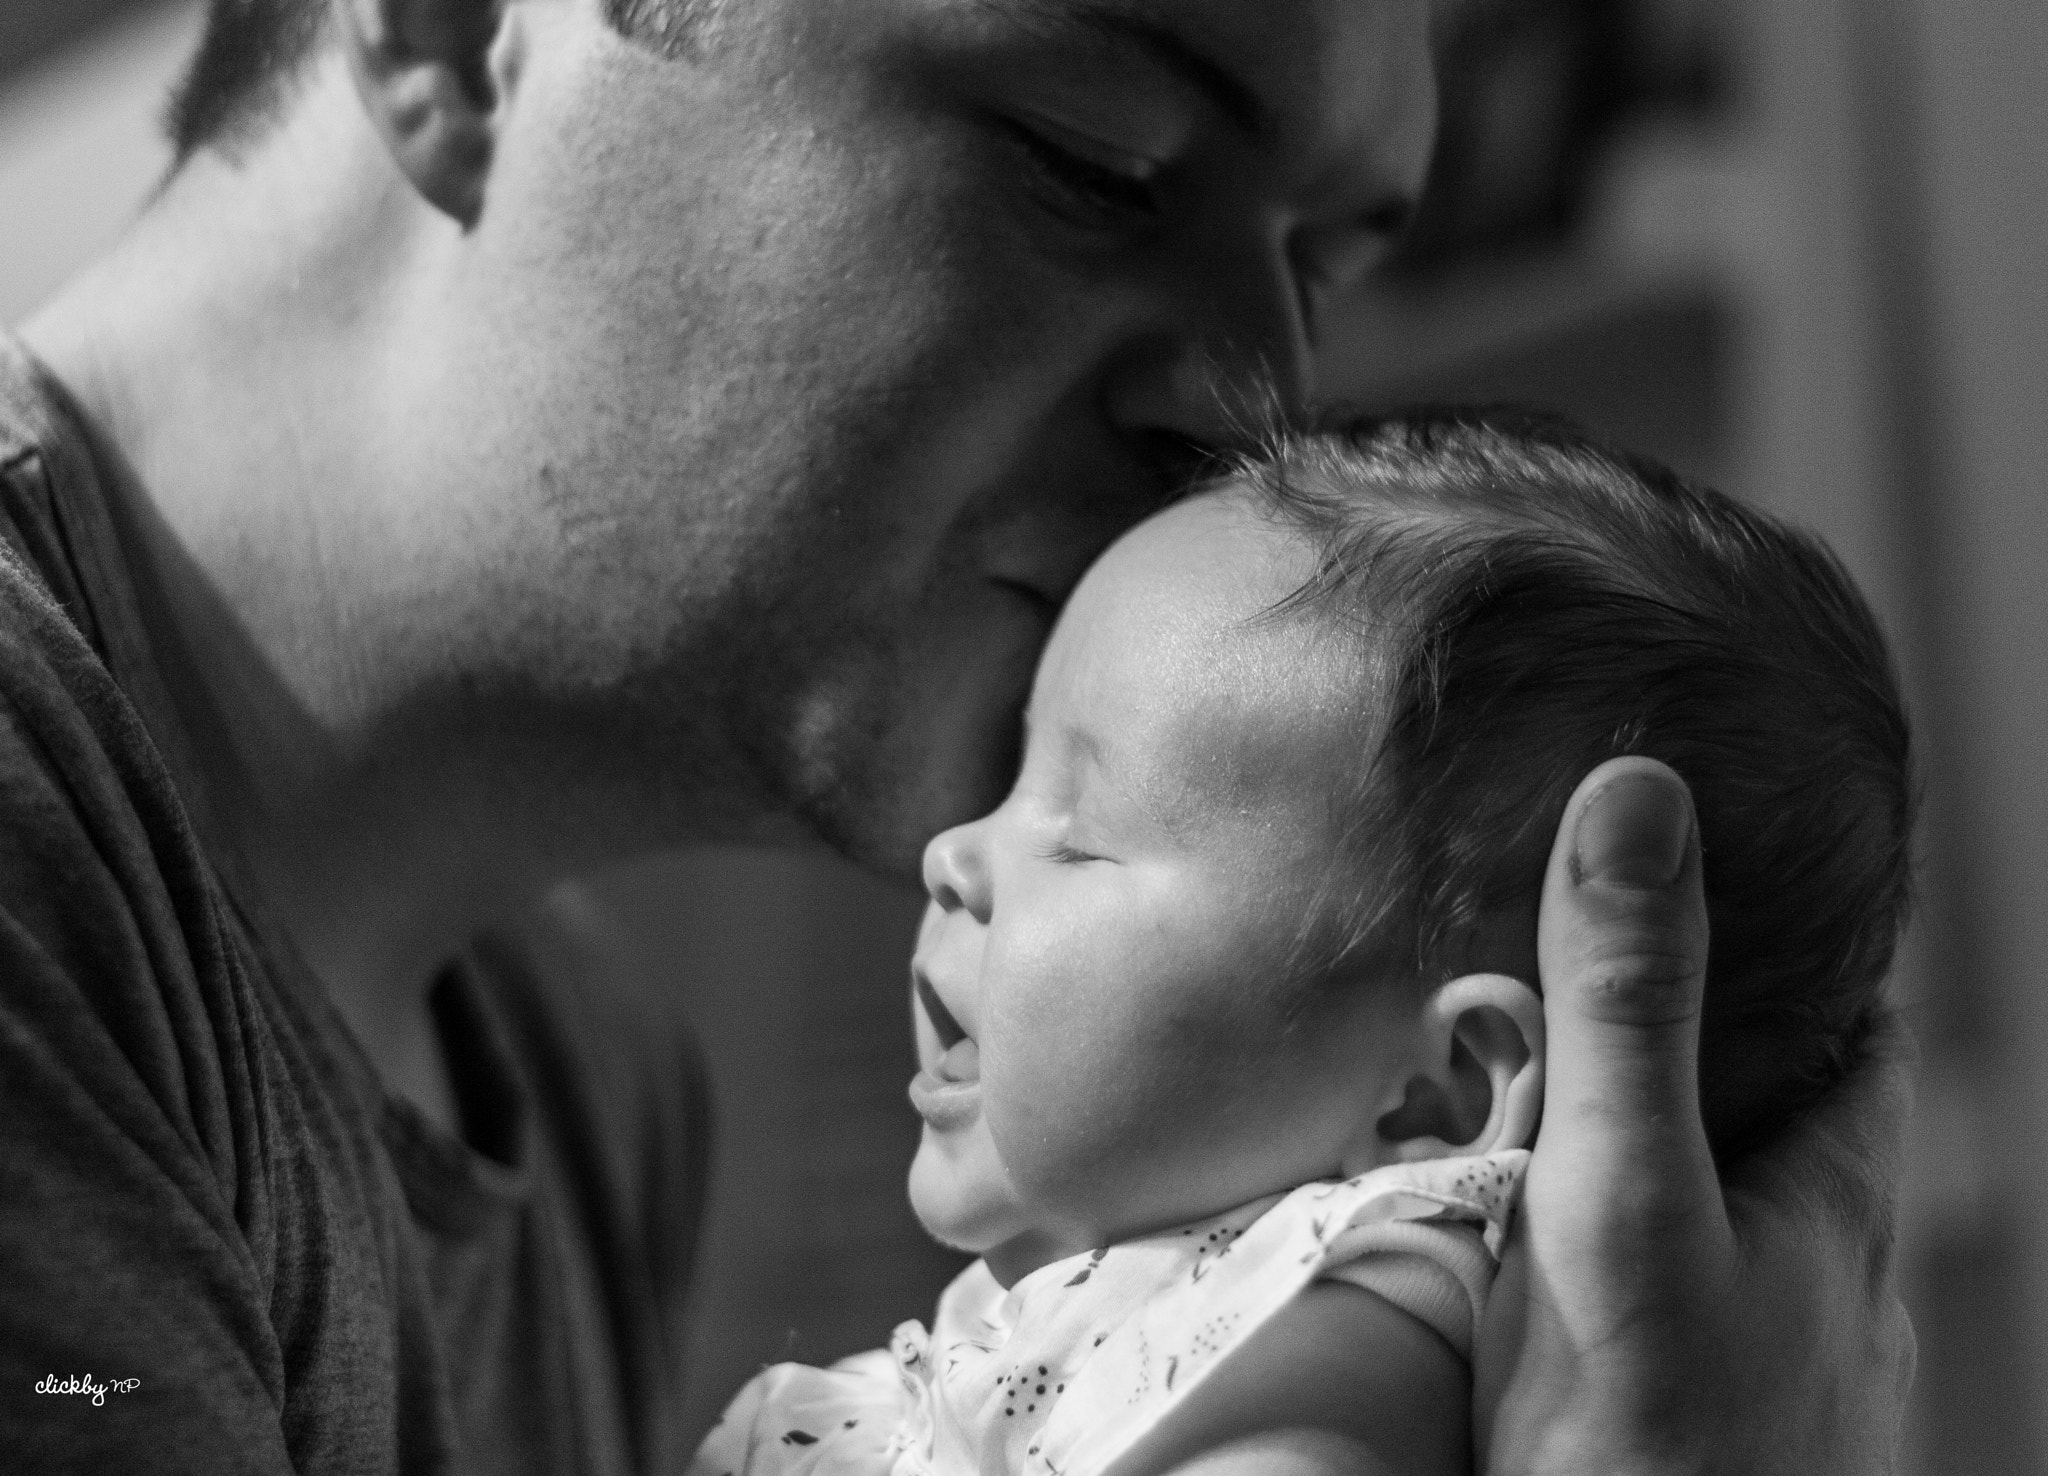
x=956, y=871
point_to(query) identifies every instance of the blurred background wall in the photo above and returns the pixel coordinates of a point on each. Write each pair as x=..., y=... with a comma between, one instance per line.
x=1793, y=246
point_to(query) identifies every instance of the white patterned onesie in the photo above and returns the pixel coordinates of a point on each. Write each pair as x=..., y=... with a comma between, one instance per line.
x=1065, y=1371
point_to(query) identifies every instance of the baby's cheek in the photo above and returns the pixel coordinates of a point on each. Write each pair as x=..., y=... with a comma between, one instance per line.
x=1102, y=1122
x=1112, y=1055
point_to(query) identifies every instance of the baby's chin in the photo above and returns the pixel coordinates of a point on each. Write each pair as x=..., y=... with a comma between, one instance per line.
x=965, y=1202
x=960, y=1203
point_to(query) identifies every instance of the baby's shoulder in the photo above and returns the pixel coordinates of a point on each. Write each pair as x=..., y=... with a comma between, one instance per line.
x=1347, y=1380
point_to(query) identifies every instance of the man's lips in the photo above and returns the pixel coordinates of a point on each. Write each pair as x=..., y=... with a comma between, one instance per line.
x=1035, y=594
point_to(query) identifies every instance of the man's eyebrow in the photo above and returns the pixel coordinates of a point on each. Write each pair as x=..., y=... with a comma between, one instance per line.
x=1236, y=99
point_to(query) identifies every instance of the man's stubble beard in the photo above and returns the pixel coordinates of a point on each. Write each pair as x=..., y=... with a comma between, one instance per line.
x=874, y=752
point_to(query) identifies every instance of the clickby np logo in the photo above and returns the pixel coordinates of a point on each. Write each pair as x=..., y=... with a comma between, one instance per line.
x=94, y=1389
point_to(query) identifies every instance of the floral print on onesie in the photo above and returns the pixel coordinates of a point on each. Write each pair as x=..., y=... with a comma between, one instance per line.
x=1062, y=1373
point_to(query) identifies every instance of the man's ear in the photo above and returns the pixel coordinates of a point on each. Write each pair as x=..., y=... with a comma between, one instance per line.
x=433, y=76
x=1479, y=1088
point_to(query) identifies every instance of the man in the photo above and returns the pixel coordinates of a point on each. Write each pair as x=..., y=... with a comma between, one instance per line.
x=523, y=432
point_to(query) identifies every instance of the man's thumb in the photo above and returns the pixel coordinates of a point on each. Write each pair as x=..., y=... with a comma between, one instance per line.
x=1622, y=948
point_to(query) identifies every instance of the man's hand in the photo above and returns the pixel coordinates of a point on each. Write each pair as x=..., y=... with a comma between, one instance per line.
x=1650, y=1318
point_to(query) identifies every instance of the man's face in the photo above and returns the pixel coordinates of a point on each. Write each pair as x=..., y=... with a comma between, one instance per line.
x=830, y=355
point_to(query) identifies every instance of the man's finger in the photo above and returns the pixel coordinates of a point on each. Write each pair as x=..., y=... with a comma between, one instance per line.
x=1622, y=946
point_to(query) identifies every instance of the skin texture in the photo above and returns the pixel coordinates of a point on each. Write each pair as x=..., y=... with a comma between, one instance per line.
x=540, y=451
x=1288, y=1453
x=1664, y=1321
x=547, y=451
x=1111, y=945
x=1339, y=1382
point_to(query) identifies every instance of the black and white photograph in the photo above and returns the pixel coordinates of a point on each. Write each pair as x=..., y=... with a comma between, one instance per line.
x=1023, y=737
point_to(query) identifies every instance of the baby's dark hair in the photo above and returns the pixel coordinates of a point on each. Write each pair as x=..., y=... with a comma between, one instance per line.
x=1528, y=603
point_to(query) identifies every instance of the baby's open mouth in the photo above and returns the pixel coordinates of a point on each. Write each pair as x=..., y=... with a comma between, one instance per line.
x=958, y=1068
x=947, y=1028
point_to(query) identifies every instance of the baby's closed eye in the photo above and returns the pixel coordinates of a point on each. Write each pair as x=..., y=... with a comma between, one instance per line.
x=1067, y=855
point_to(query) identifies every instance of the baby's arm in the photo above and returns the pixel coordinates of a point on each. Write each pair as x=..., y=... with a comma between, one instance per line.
x=1287, y=1453
x=1340, y=1383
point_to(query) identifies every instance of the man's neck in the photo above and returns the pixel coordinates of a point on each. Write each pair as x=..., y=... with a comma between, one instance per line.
x=241, y=356
x=348, y=564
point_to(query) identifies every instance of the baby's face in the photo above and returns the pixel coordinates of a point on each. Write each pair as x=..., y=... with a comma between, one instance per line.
x=1109, y=1041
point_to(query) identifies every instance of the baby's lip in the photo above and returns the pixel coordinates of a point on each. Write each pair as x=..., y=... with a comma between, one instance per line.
x=947, y=1094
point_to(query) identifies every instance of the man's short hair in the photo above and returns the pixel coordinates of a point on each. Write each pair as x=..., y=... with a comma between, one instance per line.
x=1528, y=603
x=253, y=51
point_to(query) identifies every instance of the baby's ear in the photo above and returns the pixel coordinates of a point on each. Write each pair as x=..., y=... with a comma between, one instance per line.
x=1479, y=1086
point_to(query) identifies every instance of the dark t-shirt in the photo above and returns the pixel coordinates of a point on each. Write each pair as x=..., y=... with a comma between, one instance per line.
x=210, y=1211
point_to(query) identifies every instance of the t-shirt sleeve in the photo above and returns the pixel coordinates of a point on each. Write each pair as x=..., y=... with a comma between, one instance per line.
x=136, y=1329
x=1437, y=1272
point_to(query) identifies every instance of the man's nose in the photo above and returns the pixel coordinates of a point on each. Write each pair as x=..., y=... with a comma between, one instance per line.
x=956, y=871
x=1233, y=358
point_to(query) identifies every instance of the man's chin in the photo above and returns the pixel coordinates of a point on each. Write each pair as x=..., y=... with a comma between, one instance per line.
x=881, y=819
x=881, y=757
x=893, y=853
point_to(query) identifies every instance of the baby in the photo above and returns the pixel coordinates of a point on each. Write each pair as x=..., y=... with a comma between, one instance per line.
x=1228, y=1019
